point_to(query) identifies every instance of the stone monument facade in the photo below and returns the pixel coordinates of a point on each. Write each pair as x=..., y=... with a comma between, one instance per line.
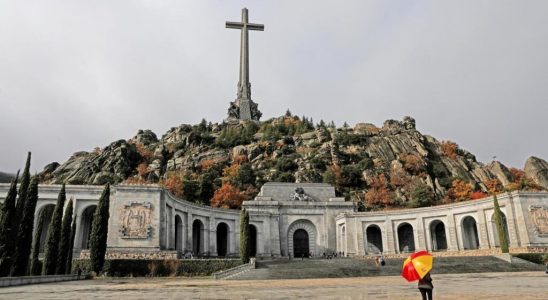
x=243, y=108
x=296, y=220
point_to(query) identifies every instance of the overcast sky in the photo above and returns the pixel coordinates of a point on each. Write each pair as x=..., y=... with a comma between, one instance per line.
x=79, y=74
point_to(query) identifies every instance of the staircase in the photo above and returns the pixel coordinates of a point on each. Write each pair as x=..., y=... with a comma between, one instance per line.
x=349, y=267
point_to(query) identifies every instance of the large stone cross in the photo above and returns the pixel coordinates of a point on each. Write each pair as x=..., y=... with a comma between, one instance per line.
x=247, y=110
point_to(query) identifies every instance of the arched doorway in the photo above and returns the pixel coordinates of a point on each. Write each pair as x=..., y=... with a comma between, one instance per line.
x=178, y=234
x=310, y=230
x=374, y=239
x=437, y=233
x=406, y=238
x=469, y=233
x=252, y=244
x=222, y=239
x=44, y=216
x=85, y=224
x=504, y=228
x=197, y=237
x=301, y=247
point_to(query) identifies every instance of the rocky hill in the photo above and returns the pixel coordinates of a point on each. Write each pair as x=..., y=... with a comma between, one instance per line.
x=394, y=165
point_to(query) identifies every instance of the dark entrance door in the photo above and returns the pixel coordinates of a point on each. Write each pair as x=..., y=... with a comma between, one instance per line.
x=252, y=241
x=300, y=243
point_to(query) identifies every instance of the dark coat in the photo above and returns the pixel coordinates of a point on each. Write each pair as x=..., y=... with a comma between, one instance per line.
x=426, y=282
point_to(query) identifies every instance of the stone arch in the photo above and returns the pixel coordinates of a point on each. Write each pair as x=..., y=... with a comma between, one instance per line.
x=406, y=238
x=222, y=239
x=373, y=238
x=178, y=233
x=198, y=237
x=86, y=220
x=252, y=242
x=438, y=235
x=310, y=230
x=47, y=210
x=470, y=239
x=496, y=241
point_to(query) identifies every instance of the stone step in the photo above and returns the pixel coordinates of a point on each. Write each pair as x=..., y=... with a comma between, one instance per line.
x=348, y=267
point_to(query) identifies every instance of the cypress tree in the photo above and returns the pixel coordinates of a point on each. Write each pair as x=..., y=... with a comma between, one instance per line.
x=26, y=226
x=54, y=235
x=71, y=246
x=503, y=241
x=8, y=229
x=64, y=245
x=35, y=266
x=99, y=231
x=23, y=189
x=244, y=236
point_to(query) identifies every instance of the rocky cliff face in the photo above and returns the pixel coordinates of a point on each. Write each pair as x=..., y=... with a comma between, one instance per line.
x=395, y=156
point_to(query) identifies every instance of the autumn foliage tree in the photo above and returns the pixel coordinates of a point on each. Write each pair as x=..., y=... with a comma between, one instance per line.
x=379, y=194
x=227, y=196
x=460, y=191
x=449, y=149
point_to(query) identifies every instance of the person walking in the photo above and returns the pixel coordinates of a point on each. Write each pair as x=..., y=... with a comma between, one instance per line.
x=426, y=287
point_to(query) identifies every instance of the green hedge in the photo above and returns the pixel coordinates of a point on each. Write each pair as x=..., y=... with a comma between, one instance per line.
x=159, y=268
x=537, y=258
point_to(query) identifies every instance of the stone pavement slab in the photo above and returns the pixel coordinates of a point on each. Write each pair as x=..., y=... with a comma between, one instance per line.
x=500, y=286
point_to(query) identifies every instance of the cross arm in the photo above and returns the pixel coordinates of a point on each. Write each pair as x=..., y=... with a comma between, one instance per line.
x=235, y=25
x=252, y=26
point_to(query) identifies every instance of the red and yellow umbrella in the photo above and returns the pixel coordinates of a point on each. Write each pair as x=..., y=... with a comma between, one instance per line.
x=417, y=265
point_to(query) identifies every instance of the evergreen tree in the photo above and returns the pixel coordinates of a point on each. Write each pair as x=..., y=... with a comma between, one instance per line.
x=500, y=228
x=64, y=245
x=35, y=266
x=99, y=230
x=244, y=236
x=245, y=176
x=8, y=229
x=24, y=238
x=71, y=246
x=23, y=189
x=207, y=186
x=54, y=235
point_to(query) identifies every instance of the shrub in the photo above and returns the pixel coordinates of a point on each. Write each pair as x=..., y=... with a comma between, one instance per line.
x=378, y=194
x=421, y=195
x=159, y=268
x=449, y=149
x=286, y=165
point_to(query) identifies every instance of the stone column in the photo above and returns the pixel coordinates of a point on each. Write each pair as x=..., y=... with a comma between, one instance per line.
x=420, y=235
x=511, y=221
x=188, y=241
x=451, y=231
x=212, y=237
x=274, y=234
x=482, y=230
x=390, y=247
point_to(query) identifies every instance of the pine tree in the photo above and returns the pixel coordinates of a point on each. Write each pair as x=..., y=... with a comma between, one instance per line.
x=54, y=235
x=99, y=230
x=23, y=189
x=8, y=229
x=244, y=236
x=64, y=245
x=500, y=228
x=35, y=266
x=71, y=246
x=24, y=237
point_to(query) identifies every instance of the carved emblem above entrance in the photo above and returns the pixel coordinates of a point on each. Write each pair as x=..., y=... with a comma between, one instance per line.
x=300, y=195
x=136, y=220
x=539, y=218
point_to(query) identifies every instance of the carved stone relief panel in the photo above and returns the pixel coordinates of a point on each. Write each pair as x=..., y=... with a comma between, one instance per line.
x=136, y=220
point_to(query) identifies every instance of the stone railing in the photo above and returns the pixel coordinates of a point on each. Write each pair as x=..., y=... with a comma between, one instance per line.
x=22, y=280
x=236, y=270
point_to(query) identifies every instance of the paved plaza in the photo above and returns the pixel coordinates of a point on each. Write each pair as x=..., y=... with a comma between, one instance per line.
x=523, y=285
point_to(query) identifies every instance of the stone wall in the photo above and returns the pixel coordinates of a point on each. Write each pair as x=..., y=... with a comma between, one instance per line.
x=134, y=254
